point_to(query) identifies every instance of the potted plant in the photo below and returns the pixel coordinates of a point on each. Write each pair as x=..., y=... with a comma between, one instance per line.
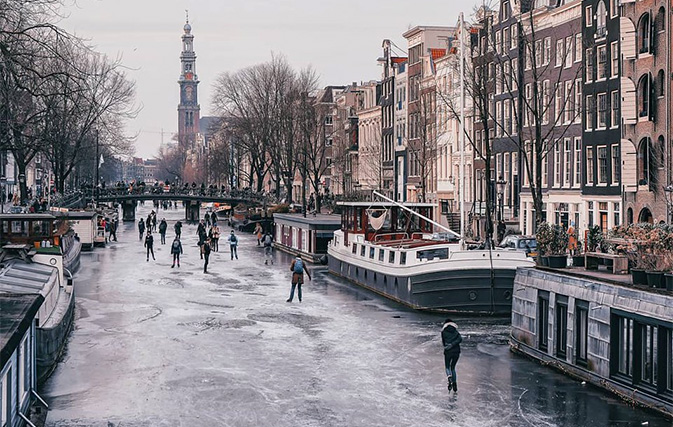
x=544, y=237
x=577, y=253
x=594, y=238
x=558, y=255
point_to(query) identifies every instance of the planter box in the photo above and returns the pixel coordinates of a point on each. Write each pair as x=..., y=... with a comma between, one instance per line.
x=639, y=277
x=558, y=261
x=578, y=261
x=655, y=279
x=668, y=280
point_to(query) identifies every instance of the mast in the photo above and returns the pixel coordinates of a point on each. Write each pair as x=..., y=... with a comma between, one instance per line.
x=399, y=205
x=462, y=128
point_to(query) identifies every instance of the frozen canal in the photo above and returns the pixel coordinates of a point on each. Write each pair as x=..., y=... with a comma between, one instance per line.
x=155, y=346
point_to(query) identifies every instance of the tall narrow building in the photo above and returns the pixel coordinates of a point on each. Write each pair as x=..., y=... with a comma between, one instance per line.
x=188, y=109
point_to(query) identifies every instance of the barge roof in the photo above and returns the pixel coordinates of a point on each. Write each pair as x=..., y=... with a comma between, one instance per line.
x=16, y=315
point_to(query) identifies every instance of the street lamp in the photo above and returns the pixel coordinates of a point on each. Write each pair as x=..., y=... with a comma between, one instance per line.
x=22, y=183
x=669, y=200
x=501, y=183
x=3, y=190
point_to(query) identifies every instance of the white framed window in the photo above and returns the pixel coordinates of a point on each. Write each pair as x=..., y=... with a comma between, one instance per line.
x=545, y=163
x=578, y=101
x=328, y=119
x=567, y=163
x=515, y=164
x=508, y=116
x=614, y=108
x=514, y=72
x=498, y=118
x=602, y=164
x=602, y=57
x=559, y=52
x=557, y=163
x=614, y=9
x=5, y=396
x=589, y=65
x=578, y=47
x=547, y=50
x=588, y=16
x=558, y=110
x=568, y=108
x=528, y=57
x=568, y=52
x=590, y=165
x=545, y=99
x=527, y=163
x=590, y=112
x=514, y=30
x=616, y=165
x=498, y=41
x=602, y=99
x=578, y=161
x=614, y=59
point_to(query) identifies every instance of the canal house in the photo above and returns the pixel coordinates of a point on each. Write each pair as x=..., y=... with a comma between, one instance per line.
x=18, y=382
x=308, y=236
x=606, y=332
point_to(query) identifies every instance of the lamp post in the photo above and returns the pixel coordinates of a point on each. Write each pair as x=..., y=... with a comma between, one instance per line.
x=3, y=190
x=22, y=184
x=501, y=183
x=669, y=201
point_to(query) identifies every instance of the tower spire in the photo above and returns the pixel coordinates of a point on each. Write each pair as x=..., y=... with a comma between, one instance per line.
x=187, y=15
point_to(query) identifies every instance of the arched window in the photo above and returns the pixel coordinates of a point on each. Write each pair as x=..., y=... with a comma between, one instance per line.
x=629, y=216
x=644, y=34
x=601, y=19
x=661, y=148
x=660, y=84
x=644, y=101
x=660, y=21
x=646, y=167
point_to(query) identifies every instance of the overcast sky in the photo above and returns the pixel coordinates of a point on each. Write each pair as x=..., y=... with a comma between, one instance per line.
x=341, y=39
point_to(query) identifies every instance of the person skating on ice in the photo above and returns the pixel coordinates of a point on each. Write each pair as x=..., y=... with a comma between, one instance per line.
x=149, y=244
x=141, y=229
x=298, y=269
x=451, y=340
x=233, y=244
x=176, y=250
x=163, y=226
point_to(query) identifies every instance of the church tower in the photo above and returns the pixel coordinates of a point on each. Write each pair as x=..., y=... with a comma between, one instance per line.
x=188, y=109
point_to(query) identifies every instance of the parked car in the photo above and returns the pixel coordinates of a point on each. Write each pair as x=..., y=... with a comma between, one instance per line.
x=520, y=243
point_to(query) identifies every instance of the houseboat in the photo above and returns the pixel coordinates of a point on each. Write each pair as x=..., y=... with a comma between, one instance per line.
x=17, y=358
x=45, y=232
x=307, y=236
x=390, y=249
x=84, y=224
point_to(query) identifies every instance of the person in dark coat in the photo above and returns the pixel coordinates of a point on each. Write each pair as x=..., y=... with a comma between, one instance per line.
x=163, y=226
x=451, y=340
x=176, y=250
x=205, y=249
x=141, y=228
x=201, y=231
x=149, y=244
x=178, y=229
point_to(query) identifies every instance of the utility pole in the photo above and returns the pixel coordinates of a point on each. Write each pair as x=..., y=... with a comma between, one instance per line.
x=95, y=188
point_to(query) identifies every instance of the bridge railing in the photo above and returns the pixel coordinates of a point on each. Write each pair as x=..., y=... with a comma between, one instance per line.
x=179, y=192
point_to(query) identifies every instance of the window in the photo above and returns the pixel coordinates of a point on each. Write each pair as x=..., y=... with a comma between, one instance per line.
x=590, y=112
x=602, y=165
x=557, y=163
x=403, y=258
x=590, y=214
x=561, y=326
x=391, y=257
x=581, y=331
x=547, y=50
x=515, y=36
x=644, y=84
x=616, y=165
x=578, y=161
x=614, y=8
x=614, y=117
x=578, y=101
x=578, y=47
x=371, y=253
x=498, y=42
x=505, y=10
x=508, y=116
x=567, y=165
x=382, y=253
x=660, y=85
x=644, y=34
x=590, y=165
x=528, y=57
x=568, y=107
x=6, y=400
x=625, y=346
x=617, y=214
x=545, y=100
x=602, y=54
x=559, y=52
x=506, y=39
x=614, y=58
x=543, y=320
x=362, y=250
x=602, y=111
x=355, y=248
x=589, y=64
x=601, y=19
x=588, y=16
x=646, y=162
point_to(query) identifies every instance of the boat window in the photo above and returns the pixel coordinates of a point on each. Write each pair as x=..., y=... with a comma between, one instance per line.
x=403, y=258
x=362, y=250
x=382, y=254
x=371, y=253
x=5, y=227
x=391, y=257
x=430, y=254
x=41, y=228
x=355, y=248
x=20, y=227
x=527, y=243
x=358, y=220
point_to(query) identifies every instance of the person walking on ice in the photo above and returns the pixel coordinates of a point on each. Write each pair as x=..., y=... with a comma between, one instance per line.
x=178, y=229
x=268, y=249
x=163, y=226
x=298, y=268
x=141, y=229
x=451, y=340
x=176, y=250
x=149, y=244
x=205, y=248
x=233, y=244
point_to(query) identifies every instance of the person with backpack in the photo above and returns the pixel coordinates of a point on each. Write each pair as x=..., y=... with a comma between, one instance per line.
x=205, y=250
x=298, y=268
x=163, y=226
x=233, y=244
x=201, y=231
x=149, y=244
x=178, y=229
x=176, y=250
x=268, y=248
x=141, y=228
x=451, y=340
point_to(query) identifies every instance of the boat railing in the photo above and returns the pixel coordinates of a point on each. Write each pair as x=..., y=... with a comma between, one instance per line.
x=390, y=236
